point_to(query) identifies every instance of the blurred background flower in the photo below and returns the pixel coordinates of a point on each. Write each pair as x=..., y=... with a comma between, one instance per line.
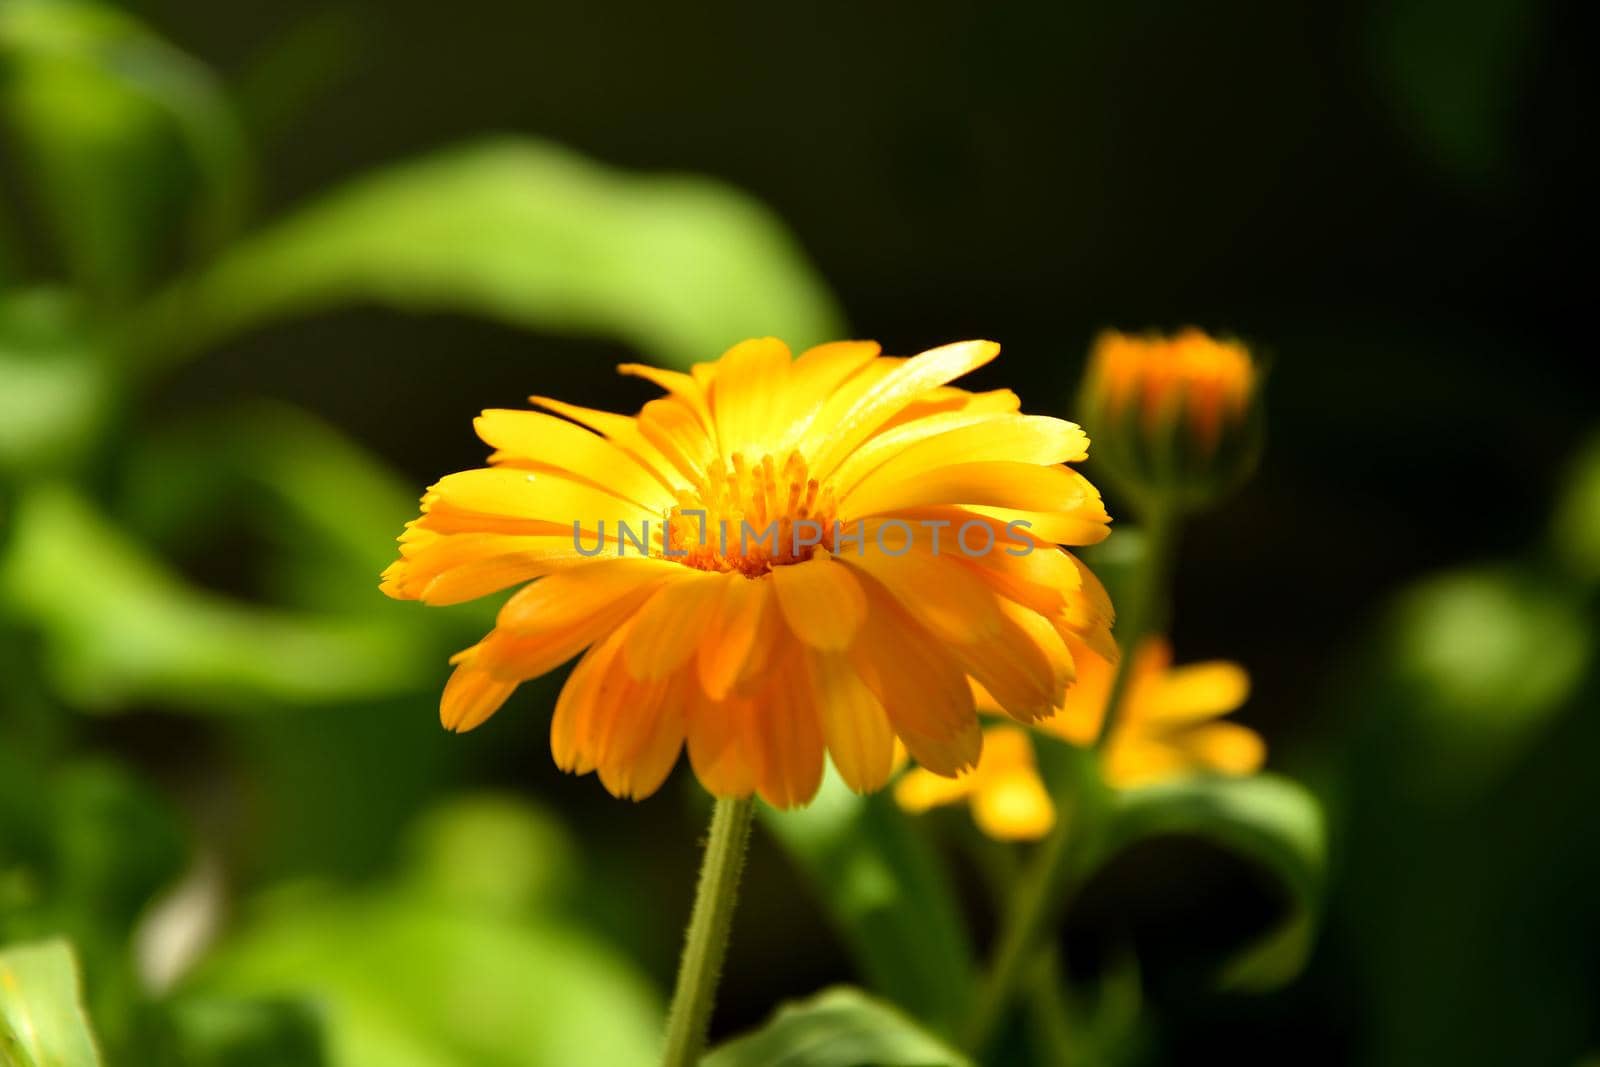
x=260, y=264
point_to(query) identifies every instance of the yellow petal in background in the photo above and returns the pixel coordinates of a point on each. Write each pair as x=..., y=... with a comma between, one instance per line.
x=1199, y=691
x=1014, y=806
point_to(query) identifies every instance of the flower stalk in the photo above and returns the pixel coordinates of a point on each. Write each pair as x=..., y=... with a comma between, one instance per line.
x=706, y=944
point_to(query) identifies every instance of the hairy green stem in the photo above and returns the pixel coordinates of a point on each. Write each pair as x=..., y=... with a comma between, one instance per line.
x=1038, y=897
x=706, y=943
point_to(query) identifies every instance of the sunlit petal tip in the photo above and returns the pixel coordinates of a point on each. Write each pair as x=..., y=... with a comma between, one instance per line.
x=470, y=697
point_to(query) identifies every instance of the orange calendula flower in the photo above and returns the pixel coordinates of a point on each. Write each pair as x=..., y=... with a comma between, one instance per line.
x=780, y=558
x=1167, y=729
x=1173, y=415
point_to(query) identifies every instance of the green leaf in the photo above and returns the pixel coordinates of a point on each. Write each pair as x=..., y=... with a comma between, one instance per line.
x=887, y=893
x=1269, y=819
x=529, y=233
x=42, y=1021
x=124, y=136
x=841, y=1027
x=55, y=389
x=120, y=627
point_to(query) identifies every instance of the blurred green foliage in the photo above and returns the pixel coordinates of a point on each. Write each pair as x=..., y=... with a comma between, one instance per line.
x=130, y=144
x=137, y=166
x=139, y=248
x=1271, y=820
x=41, y=1021
x=892, y=899
x=465, y=958
x=1468, y=834
x=524, y=232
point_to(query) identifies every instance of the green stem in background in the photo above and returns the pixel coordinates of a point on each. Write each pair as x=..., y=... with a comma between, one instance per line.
x=1053, y=1031
x=707, y=941
x=1039, y=892
x=1144, y=596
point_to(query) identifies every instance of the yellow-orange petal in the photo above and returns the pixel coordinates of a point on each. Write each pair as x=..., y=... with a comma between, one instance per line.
x=453, y=568
x=640, y=758
x=1029, y=439
x=1042, y=581
x=1024, y=668
x=681, y=386
x=813, y=378
x=733, y=632
x=749, y=395
x=950, y=398
x=626, y=730
x=890, y=394
x=888, y=443
x=518, y=657
x=821, y=600
x=787, y=737
x=854, y=726
x=470, y=697
x=672, y=623
x=925, y=695
x=1078, y=719
x=533, y=438
x=566, y=598
x=589, y=706
x=1023, y=487
x=719, y=741
x=505, y=499
x=676, y=433
x=620, y=430
x=940, y=592
x=1087, y=524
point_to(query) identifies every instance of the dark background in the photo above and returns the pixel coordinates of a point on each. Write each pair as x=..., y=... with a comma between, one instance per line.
x=1384, y=197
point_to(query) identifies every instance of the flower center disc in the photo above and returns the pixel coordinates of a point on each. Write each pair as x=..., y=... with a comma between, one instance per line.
x=751, y=518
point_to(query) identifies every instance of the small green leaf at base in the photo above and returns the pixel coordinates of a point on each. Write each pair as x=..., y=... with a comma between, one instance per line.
x=839, y=1027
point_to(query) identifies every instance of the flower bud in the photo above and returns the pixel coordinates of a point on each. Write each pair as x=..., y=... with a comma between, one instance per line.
x=1175, y=420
